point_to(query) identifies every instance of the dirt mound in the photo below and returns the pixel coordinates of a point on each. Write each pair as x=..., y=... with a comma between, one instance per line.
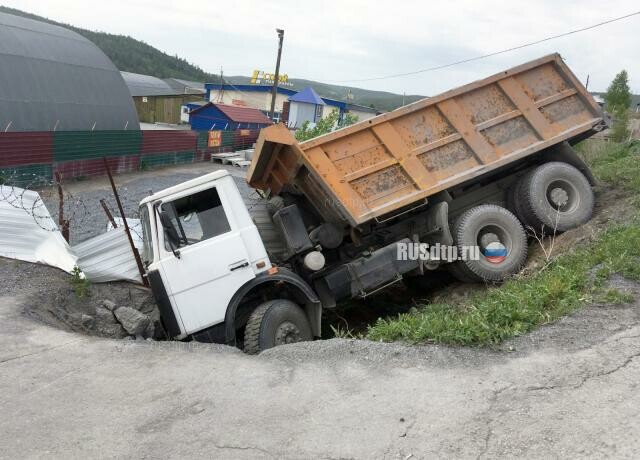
x=114, y=310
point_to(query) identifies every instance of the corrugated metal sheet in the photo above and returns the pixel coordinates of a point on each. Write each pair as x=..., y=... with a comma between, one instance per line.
x=203, y=140
x=147, y=85
x=107, y=257
x=135, y=225
x=18, y=149
x=81, y=145
x=245, y=138
x=228, y=138
x=25, y=237
x=185, y=86
x=235, y=113
x=27, y=232
x=164, y=159
x=95, y=167
x=244, y=114
x=53, y=78
x=27, y=176
x=168, y=141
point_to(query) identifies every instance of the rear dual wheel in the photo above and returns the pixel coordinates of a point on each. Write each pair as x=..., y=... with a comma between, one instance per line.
x=500, y=241
x=554, y=197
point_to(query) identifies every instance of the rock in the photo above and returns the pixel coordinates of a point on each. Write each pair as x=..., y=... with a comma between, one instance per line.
x=155, y=329
x=104, y=315
x=115, y=331
x=109, y=305
x=107, y=325
x=134, y=322
x=87, y=321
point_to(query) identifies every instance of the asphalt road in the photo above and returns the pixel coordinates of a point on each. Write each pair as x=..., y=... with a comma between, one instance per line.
x=567, y=390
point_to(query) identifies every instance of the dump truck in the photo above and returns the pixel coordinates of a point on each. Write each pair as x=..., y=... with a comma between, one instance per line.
x=349, y=213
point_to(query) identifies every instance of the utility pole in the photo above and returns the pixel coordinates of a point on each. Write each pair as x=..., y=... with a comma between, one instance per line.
x=221, y=92
x=276, y=77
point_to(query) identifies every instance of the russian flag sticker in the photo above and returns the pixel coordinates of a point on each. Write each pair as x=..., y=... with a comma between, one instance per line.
x=495, y=252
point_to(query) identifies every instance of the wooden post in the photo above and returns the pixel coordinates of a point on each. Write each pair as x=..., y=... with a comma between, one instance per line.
x=276, y=77
x=107, y=211
x=136, y=254
x=63, y=224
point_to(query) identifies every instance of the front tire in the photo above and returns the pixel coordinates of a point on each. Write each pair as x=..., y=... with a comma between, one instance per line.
x=273, y=323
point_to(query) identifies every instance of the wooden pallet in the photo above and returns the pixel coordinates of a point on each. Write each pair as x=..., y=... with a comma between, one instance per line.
x=241, y=162
x=221, y=157
x=231, y=160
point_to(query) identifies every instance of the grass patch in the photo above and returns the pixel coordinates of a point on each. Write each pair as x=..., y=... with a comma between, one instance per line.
x=523, y=303
x=79, y=283
x=615, y=164
x=617, y=297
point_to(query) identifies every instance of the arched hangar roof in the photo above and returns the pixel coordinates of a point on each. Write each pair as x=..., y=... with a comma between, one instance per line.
x=52, y=78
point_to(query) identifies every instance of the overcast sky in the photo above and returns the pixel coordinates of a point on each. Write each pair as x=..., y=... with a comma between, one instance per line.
x=355, y=39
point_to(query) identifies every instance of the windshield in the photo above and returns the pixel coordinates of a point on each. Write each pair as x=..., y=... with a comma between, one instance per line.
x=147, y=240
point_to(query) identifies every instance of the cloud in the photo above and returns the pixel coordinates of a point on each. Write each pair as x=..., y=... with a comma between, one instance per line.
x=344, y=40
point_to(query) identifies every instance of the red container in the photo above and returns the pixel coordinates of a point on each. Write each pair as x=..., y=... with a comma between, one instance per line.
x=75, y=169
x=168, y=141
x=17, y=149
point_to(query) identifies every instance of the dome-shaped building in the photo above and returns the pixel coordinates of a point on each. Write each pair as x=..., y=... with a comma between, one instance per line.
x=53, y=79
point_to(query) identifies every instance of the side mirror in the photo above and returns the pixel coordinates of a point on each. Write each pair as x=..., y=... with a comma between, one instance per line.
x=170, y=231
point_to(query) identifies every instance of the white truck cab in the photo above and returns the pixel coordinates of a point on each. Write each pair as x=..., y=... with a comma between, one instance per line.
x=204, y=256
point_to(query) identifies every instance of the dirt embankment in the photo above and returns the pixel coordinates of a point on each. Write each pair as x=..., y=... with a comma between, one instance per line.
x=119, y=310
x=114, y=310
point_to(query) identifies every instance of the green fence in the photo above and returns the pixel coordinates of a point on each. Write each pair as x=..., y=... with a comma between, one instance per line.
x=27, y=176
x=84, y=145
x=150, y=161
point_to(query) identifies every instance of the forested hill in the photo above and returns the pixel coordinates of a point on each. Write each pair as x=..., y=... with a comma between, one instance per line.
x=133, y=55
x=136, y=56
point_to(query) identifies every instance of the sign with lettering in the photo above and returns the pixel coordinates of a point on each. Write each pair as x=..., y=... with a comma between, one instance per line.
x=260, y=77
x=215, y=138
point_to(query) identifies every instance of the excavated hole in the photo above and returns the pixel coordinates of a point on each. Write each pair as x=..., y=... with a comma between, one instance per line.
x=113, y=310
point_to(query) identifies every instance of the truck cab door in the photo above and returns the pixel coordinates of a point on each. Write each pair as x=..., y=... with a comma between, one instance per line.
x=209, y=262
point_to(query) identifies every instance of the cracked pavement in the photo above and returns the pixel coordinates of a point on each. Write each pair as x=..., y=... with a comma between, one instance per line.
x=567, y=389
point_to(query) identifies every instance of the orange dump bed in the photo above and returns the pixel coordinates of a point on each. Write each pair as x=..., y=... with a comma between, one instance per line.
x=388, y=163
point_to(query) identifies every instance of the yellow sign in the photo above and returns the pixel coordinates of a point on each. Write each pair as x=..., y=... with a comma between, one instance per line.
x=245, y=132
x=259, y=77
x=215, y=138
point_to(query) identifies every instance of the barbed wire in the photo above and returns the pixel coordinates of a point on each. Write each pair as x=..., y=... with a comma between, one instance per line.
x=39, y=196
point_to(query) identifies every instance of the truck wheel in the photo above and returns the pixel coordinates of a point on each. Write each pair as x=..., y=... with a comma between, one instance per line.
x=273, y=323
x=460, y=274
x=501, y=241
x=556, y=196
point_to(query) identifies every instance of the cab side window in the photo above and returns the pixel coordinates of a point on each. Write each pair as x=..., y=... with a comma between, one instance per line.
x=197, y=217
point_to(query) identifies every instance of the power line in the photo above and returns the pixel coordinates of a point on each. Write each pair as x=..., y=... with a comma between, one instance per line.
x=476, y=58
